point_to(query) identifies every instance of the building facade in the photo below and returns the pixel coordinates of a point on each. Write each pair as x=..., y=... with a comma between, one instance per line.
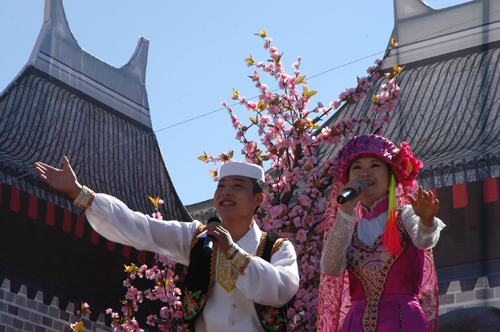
x=67, y=102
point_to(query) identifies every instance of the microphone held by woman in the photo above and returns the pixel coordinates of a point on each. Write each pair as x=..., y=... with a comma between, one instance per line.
x=350, y=193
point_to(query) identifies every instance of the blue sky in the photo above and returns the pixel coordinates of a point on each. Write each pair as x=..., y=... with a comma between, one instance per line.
x=196, y=57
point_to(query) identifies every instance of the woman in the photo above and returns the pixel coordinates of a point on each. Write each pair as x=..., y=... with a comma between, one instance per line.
x=380, y=248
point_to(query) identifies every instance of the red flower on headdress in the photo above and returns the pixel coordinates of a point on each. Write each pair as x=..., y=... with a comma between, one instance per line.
x=406, y=166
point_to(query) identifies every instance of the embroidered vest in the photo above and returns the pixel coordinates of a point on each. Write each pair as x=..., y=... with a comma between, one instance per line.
x=200, y=278
x=371, y=272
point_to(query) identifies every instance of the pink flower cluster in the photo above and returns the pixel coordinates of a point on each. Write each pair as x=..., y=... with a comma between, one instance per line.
x=163, y=278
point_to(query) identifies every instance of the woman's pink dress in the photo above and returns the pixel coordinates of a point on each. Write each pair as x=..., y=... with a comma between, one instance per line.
x=384, y=289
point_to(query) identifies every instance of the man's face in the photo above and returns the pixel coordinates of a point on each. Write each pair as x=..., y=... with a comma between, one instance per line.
x=234, y=198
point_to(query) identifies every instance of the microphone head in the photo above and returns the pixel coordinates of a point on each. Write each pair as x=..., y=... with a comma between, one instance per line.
x=217, y=219
x=207, y=250
x=362, y=183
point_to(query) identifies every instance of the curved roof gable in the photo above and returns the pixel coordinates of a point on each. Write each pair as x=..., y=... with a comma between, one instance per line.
x=58, y=54
x=426, y=35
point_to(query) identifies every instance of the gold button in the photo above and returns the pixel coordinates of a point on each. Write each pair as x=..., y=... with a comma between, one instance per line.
x=234, y=305
x=232, y=323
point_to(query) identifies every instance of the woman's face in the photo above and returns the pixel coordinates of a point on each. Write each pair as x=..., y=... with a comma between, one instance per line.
x=376, y=174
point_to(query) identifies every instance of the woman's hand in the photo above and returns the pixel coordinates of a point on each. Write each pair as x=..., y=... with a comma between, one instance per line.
x=221, y=234
x=63, y=180
x=425, y=206
x=348, y=206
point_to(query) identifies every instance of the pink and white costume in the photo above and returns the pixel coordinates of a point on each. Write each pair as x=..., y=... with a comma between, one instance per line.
x=383, y=290
x=364, y=286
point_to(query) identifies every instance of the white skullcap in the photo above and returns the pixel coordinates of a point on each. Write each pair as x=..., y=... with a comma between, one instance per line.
x=242, y=168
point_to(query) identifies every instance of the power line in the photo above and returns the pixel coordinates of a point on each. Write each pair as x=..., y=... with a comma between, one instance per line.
x=237, y=103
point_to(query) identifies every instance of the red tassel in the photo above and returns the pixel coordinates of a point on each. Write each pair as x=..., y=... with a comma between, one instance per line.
x=392, y=241
x=391, y=234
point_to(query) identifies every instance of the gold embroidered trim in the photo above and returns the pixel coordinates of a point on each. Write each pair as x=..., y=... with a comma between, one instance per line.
x=226, y=274
x=84, y=198
x=241, y=260
x=197, y=232
x=262, y=244
x=212, y=267
x=234, y=247
x=277, y=245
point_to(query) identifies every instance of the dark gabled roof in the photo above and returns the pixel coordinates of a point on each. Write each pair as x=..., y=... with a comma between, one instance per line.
x=67, y=102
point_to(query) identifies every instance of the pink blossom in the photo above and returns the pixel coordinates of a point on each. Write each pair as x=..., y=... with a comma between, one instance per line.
x=301, y=235
x=334, y=105
x=164, y=312
x=302, y=294
x=131, y=293
x=278, y=122
x=275, y=211
x=224, y=103
x=125, y=310
x=150, y=319
x=265, y=119
x=383, y=96
x=236, y=122
x=306, y=201
x=376, y=109
x=250, y=105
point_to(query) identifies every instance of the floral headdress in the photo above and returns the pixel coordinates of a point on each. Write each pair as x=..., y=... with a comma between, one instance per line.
x=404, y=171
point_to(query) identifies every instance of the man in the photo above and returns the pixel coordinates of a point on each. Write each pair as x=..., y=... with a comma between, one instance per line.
x=239, y=286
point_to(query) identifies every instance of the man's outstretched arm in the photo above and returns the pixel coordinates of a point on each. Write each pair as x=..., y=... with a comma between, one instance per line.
x=115, y=221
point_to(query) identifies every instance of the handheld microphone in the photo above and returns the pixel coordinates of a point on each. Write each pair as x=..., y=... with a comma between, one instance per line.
x=350, y=193
x=208, y=247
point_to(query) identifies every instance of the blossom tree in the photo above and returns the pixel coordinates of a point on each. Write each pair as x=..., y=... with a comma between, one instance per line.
x=289, y=135
x=294, y=205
